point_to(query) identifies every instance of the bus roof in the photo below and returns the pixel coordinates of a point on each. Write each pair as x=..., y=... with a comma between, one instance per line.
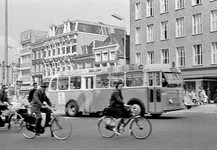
x=132, y=67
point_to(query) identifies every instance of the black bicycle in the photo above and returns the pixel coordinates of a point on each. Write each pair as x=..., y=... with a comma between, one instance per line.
x=140, y=127
x=60, y=128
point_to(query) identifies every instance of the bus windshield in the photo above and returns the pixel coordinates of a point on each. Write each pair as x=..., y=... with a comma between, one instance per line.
x=173, y=79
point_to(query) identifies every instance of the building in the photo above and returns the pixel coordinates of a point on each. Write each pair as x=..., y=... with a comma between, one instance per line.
x=26, y=39
x=180, y=31
x=111, y=51
x=37, y=66
x=67, y=46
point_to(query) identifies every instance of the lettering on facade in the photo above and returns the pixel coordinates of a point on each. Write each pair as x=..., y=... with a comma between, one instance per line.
x=25, y=37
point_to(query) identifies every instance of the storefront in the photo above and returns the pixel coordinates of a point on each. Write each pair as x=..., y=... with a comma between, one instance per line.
x=204, y=78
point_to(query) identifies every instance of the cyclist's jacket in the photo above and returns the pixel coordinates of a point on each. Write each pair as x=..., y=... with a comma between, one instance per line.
x=116, y=99
x=3, y=96
x=31, y=93
x=38, y=98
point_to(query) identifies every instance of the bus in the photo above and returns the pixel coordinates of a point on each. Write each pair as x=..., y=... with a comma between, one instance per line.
x=88, y=91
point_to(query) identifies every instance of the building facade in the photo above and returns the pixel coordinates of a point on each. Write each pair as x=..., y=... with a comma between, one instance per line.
x=180, y=31
x=67, y=46
x=26, y=39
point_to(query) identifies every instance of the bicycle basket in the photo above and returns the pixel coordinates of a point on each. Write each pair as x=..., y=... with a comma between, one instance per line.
x=30, y=119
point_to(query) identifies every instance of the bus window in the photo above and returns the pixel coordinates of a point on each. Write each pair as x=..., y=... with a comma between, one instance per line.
x=115, y=77
x=150, y=79
x=102, y=81
x=134, y=78
x=157, y=78
x=75, y=82
x=63, y=83
x=54, y=84
x=172, y=79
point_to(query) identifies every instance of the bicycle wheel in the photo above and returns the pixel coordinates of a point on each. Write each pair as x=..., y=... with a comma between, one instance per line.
x=105, y=126
x=28, y=130
x=15, y=122
x=61, y=128
x=140, y=128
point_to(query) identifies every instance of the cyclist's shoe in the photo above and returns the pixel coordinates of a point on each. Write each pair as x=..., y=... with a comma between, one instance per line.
x=116, y=132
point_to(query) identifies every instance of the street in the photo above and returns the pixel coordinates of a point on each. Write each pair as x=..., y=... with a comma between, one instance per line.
x=189, y=129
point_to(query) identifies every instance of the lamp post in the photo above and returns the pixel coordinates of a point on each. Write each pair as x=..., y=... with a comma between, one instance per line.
x=121, y=18
x=14, y=74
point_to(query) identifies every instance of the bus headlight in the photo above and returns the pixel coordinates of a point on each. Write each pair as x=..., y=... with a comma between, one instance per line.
x=170, y=101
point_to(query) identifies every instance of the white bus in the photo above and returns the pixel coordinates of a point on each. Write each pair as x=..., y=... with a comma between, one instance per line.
x=89, y=90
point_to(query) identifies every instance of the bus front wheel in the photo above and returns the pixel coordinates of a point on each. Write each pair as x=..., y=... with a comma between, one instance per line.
x=72, y=109
x=139, y=107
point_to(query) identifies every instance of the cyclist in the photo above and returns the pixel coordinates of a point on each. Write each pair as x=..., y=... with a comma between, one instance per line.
x=118, y=108
x=31, y=93
x=39, y=98
x=3, y=99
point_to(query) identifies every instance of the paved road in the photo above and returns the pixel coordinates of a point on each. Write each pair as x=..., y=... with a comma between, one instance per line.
x=193, y=129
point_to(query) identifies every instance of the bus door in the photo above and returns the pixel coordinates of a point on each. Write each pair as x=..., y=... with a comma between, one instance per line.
x=88, y=93
x=154, y=93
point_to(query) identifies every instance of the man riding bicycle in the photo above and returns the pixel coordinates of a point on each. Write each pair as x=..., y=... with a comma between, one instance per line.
x=118, y=108
x=3, y=99
x=39, y=98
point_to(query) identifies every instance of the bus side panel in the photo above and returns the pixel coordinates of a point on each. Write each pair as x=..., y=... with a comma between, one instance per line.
x=139, y=93
x=101, y=99
x=60, y=98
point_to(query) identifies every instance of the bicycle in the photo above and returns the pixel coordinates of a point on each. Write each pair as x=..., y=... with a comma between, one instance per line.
x=60, y=127
x=16, y=118
x=140, y=127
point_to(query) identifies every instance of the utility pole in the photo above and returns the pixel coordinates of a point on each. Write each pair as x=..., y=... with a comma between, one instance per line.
x=6, y=44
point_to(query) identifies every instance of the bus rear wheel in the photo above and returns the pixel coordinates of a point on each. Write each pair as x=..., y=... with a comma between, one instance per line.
x=72, y=109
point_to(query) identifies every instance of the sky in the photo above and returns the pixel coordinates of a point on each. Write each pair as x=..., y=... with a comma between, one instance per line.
x=39, y=14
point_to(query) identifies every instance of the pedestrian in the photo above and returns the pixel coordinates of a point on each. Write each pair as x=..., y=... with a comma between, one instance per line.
x=203, y=97
x=194, y=97
x=39, y=98
x=31, y=93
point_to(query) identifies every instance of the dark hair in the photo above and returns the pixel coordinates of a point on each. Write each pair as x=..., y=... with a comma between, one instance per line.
x=117, y=84
x=34, y=84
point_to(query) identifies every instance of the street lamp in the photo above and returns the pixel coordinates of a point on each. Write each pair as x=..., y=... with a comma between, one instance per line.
x=14, y=74
x=121, y=18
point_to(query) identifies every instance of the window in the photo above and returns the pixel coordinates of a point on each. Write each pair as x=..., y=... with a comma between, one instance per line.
x=165, y=56
x=87, y=65
x=49, y=53
x=181, y=56
x=75, y=82
x=137, y=36
x=105, y=56
x=98, y=57
x=164, y=30
x=214, y=52
x=63, y=83
x=134, y=78
x=198, y=55
x=164, y=6
x=54, y=52
x=151, y=57
x=150, y=8
x=115, y=77
x=138, y=58
x=196, y=2
x=197, y=24
x=80, y=66
x=138, y=11
x=214, y=20
x=180, y=27
x=179, y=4
x=102, y=81
x=150, y=33
x=54, y=84
x=33, y=56
x=112, y=55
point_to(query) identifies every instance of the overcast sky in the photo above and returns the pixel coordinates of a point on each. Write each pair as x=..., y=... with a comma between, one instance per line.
x=39, y=14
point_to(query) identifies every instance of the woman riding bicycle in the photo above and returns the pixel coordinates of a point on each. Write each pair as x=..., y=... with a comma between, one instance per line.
x=118, y=108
